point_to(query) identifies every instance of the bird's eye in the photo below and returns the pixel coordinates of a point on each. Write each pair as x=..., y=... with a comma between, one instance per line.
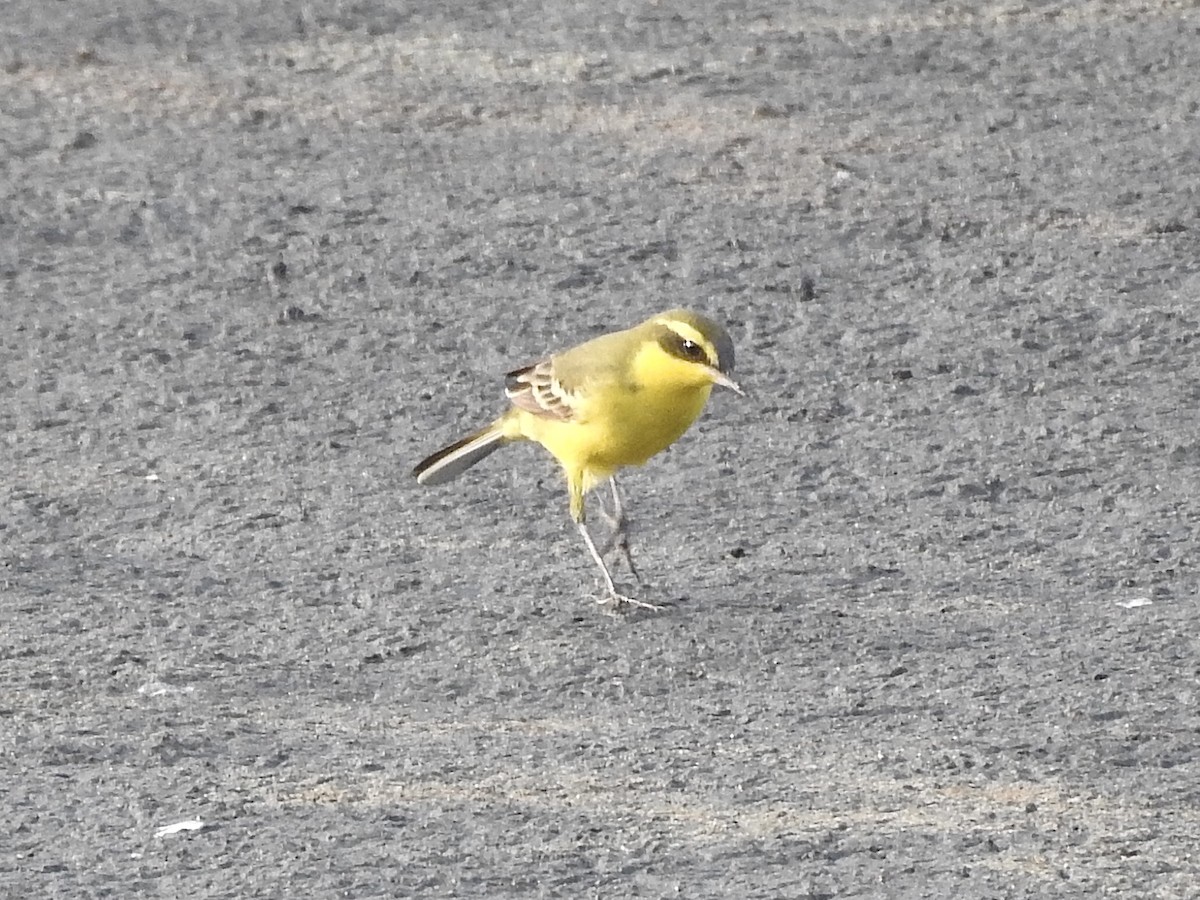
x=692, y=350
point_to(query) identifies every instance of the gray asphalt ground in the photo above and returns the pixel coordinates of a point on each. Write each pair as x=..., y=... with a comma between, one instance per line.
x=932, y=599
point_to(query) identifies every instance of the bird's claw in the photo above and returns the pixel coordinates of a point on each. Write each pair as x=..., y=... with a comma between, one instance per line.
x=615, y=601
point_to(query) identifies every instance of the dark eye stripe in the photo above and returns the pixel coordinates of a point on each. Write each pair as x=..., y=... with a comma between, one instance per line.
x=677, y=345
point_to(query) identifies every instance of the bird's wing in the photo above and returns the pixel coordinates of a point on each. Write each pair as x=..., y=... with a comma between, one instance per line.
x=563, y=386
x=535, y=389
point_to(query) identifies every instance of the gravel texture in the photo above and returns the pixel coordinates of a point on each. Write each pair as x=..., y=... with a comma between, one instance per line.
x=932, y=626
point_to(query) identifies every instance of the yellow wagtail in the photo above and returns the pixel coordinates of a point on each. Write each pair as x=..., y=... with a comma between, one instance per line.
x=611, y=402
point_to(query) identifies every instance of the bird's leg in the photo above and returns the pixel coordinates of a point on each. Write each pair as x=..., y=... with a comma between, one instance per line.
x=613, y=594
x=611, y=519
x=575, y=491
x=619, y=539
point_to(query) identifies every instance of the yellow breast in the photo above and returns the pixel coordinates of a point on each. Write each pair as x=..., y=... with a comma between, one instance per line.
x=624, y=419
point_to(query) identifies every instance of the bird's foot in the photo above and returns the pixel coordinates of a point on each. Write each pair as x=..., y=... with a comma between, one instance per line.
x=615, y=600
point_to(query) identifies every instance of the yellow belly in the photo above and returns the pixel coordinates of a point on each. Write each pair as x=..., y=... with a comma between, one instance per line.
x=621, y=429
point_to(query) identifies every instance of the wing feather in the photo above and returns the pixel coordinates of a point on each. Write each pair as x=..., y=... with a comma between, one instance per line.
x=535, y=389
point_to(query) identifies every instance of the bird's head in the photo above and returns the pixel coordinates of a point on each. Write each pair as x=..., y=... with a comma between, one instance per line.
x=703, y=346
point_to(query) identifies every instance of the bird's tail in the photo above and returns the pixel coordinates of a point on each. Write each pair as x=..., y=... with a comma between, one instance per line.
x=452, y=461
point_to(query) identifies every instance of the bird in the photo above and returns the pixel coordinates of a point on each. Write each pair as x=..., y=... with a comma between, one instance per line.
x=601, y=406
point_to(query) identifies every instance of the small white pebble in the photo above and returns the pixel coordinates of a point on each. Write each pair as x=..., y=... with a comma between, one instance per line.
x=1135, y=602
x=158, y=688
x=187, y=825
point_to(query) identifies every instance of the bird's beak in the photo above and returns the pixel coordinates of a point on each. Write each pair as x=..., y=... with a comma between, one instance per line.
x=719, y=377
